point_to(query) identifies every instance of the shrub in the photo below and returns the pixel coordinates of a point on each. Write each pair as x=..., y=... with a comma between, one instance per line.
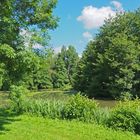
x=126, y=116
x=17, y=96
x=81, y=108
x=126, y=96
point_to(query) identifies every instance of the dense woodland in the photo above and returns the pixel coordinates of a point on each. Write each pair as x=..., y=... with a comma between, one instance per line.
x=109, y=67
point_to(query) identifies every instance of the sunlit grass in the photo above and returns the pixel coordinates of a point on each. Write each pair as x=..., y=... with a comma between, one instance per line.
x=38, y=128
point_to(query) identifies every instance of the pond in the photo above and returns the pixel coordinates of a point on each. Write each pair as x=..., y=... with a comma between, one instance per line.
x=107, y=103
x=57, y=95
x=64, y=95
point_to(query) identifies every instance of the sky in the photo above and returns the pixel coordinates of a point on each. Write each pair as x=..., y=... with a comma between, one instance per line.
x=80, y=20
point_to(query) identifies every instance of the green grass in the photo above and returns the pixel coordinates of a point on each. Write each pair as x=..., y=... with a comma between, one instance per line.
x=37, y=128
x=24, y=127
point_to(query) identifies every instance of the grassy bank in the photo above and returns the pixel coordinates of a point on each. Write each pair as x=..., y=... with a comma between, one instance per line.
x=38, y=128
x=40, y=110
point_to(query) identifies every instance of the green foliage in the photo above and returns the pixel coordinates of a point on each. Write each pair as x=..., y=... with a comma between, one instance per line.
x=24, y=26
x=41, y=76
x=51, y=109
x=65, y=67
x=126, y=116
x=83, y=109
x=71, y=61
x=35, y=16
x=60, y=77
x=19, y=63
x=2, y=74
x=126, y=96
x=17, y=96
x=110, y=64
x=76, y=107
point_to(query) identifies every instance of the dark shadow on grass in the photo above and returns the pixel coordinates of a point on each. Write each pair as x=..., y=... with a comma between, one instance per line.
x=6, y=117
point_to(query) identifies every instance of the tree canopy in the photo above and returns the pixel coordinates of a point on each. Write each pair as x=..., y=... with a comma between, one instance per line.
x=19, y=62
x=110, y=65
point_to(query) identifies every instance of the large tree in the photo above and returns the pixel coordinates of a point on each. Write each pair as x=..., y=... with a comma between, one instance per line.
x=65, y=66
x=110, y=66
x=17, y=61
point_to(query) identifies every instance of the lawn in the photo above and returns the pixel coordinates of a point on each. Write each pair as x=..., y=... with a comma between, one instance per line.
x=37, y=128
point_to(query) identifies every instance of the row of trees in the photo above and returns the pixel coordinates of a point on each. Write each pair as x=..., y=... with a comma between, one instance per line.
x=110, y=65
x=38, y=68
x=55, y=70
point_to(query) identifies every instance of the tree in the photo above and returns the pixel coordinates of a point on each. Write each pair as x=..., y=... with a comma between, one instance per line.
x=32, y=15
x=43, y=76
x=18, y=62
x=110, y=66
x=60, y=77
x=65, y=66
x=71, y=61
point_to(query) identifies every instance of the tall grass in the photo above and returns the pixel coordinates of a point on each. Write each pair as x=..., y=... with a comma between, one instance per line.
x=77, y=107
x=46, y=108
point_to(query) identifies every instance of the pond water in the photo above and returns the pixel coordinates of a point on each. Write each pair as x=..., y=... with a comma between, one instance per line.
x=62, y=96
x=107, y=103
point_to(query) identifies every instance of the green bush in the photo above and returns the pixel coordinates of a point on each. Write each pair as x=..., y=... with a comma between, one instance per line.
x=126, y=96
x=81, y=108
x=126, y=116
x=17, y=96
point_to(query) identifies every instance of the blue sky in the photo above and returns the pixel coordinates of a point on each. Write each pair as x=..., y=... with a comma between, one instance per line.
x=81, y=19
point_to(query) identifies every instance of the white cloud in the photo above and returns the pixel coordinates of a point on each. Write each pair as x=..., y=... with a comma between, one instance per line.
x=93, y=17
x=87, y=35
x=117, y=5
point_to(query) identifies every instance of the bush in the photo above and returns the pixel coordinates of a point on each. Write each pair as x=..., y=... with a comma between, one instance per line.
x=17, y=96
x=81, y=108
x=126, y=96
x=126, y=116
